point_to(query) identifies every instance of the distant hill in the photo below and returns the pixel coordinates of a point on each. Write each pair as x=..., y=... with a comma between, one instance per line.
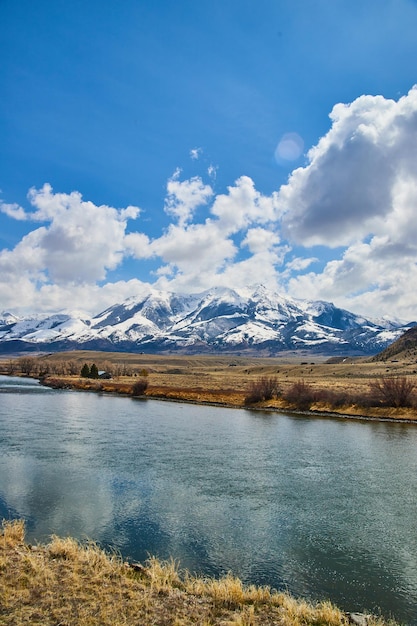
x=404, y=347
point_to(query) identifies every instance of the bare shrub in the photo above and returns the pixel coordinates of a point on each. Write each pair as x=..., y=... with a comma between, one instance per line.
x=72, y=368
x=301, y=395
x=57, y=383
x=139, y=387
x=395, y=392
x=265, y=388
x=337, y=397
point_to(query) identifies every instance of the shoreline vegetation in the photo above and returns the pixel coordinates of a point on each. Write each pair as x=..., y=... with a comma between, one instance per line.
x=77, y=584
x=350, y=388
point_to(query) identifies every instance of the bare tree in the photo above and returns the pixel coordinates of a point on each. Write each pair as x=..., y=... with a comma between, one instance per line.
x=73, y=368
x=11, y=367
x=27, y=365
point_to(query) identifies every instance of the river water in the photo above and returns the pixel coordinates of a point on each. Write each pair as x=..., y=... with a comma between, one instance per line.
x=326, y=508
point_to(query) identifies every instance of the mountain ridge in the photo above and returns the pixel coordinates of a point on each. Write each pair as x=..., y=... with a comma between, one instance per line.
x=218, y=320
x=403, y=347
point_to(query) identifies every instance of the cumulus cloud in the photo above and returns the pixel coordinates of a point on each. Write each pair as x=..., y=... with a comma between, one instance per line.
x=359, y=191
x=243, y=205
x=13, y=210
x=374, y=278
x=347, y=189
x=260, y=239
x=78, y=243
x=82, y=241
x=355, y=200
x=183, y=197
x=138, y=245
x=198, y=256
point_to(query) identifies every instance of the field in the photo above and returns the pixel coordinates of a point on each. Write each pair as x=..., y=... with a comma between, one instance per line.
x=225, y=380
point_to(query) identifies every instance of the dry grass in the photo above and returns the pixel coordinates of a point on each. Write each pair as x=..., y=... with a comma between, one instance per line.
x=66, y=583
x=225, y=380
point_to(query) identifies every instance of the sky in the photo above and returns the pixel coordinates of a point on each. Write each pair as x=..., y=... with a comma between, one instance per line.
x=184, y=144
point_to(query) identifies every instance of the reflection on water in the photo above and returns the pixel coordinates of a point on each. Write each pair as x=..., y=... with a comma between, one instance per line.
x=323, y=507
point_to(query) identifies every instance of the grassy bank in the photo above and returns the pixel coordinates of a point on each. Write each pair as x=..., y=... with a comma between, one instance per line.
x=300, y=396
x=345, y=387
x=66, y=583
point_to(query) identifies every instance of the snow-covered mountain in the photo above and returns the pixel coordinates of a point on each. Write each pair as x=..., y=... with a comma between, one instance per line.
x=218, y=320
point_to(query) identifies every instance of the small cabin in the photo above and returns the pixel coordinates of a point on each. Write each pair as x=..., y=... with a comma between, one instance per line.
x=104, y=375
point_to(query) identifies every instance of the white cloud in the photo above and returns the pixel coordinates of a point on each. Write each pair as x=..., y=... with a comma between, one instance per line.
x=298, y=264
x=199, y=256
x=25, y=295
x=356, y=198
x=78, y=245
x=359, y=191
x=212, y=171
x=59, y=264
x=243, y=205
x=13, y=210
x=347, y=189
x=195, y=153
x=259, y=239
x=185, y=196
x=195, y=249
x=138, y=245
x=374, y=278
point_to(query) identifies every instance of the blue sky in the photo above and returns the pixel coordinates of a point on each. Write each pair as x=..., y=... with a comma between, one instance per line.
x=185, y=144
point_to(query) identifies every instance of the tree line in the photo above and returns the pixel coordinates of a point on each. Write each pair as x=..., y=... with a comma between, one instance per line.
x=40, y=368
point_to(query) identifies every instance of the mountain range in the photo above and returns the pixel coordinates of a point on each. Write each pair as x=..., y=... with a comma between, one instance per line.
x=255, y=320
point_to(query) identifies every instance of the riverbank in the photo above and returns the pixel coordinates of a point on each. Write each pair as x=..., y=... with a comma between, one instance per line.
x=230, y=398
x=336, y=387
x=72, y=584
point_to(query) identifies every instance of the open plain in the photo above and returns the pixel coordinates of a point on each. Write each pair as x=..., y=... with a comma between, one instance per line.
x=225, y=380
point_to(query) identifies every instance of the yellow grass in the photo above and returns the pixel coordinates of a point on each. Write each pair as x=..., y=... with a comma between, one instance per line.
x=66, y=583
x=224, y=380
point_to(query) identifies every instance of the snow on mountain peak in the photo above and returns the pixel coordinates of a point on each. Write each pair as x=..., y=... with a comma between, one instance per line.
x=218, y=319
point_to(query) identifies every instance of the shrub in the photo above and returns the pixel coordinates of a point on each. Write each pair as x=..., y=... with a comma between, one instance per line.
x=265, y=388
x=139, y=387
x=336, y=397
x=300, y=394
x=396, y=392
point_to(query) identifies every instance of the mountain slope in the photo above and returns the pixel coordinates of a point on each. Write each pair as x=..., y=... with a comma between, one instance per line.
x=405, y=346
x=218, y=320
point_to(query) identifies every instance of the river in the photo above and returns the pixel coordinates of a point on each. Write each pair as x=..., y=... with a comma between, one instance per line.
x=326, y=508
